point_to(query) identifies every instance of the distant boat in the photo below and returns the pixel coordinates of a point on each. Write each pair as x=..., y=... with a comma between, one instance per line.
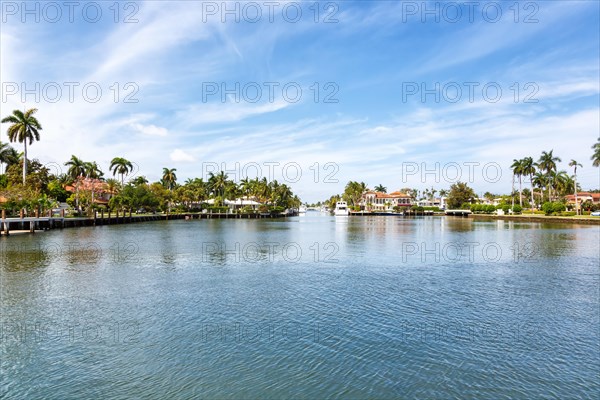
x=341, y=208
x=302, y=210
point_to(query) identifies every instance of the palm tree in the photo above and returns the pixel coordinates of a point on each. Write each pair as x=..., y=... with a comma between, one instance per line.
x=94, y=174
x=381, y=188
x=77, y=167
x=562, y=181
x=218, y=183
x=246, y=186
x=517, y=170
x=169, y=177
x=4, y=155
x=12, y=157
x=596, y=156
x=528, y=168
x=575, y=164
x=139, y=180
x=112, y=186
x=25, y=127
x=120, y=165
x=547, y=162
x=540, y=180
x=92, y=170
x=363, y=187
x=77, y=170
x=432, y=192
x=262, y=190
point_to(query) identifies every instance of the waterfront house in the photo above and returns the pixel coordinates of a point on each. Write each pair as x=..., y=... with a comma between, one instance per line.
x=238, y=203
x=439, y=202
x=379, y=201
x=583, y=197
x=101, y=194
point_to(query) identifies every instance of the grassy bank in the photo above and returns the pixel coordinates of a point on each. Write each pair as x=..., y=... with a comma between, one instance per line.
x=575, y=219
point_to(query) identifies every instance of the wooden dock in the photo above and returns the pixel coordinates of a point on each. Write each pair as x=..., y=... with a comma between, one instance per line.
x=33, y=224
x=391, y=214
x=458, y=213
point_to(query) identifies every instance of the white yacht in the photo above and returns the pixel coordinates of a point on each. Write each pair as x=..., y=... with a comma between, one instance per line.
x=341, y=208
x=302, y=209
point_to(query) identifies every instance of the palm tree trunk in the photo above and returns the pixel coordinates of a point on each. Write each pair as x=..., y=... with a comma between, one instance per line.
x=520, y=192
x=77, y=195
x=24, y=160
x=532, y=199
x=576, y=204
x=512, y=193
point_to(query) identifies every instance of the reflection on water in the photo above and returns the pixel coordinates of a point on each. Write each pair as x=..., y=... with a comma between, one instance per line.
x=309, y=307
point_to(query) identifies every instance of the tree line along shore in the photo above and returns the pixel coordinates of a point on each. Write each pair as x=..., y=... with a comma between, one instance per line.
x=29, y=187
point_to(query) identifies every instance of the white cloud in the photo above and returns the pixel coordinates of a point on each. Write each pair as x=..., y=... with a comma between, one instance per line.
x=179, y=155
x=151, y=130
x=228, y=112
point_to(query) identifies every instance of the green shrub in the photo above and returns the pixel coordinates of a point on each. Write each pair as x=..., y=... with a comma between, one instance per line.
x=567, y=213
x=247, y=210
x=517, y=209
x=553, y=208
x=547, y=208
x=489, y=209
x=276, y=210
x=505, y=208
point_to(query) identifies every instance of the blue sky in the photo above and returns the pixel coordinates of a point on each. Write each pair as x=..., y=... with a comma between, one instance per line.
x=372, y=58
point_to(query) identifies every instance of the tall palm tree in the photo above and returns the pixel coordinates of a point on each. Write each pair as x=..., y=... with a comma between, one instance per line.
x=77, y=170
x=94, y=173
x=528, y=168
x=575, y=164
x=169, y=177
x=380, y=188
x=25, y=127
x=517, y=170
x=596, y=156
x=547, y=163
x=120, y=165
x=540, y=180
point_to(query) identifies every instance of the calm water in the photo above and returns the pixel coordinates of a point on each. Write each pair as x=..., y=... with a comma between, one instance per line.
x=310, y=307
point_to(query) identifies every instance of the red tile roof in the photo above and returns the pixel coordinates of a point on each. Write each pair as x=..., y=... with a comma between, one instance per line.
x=393, y=195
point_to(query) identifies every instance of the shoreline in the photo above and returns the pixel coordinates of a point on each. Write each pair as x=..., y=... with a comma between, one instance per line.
x=32, y=225
x=520, y=217
x=540, y=218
